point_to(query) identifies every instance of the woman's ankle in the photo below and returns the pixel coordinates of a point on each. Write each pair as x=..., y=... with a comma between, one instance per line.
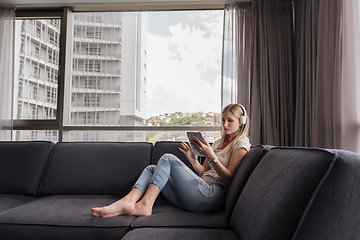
x=142, y=208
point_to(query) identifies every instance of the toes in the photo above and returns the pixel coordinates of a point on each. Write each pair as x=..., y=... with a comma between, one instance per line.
x=95, y=212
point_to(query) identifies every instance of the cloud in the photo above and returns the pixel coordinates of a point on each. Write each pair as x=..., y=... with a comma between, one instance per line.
x=183, y=68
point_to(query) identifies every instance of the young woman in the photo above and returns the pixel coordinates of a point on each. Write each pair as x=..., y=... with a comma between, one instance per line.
x=204, y=192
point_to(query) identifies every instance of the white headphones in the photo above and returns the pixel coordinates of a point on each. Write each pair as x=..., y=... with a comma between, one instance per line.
x=243, y=117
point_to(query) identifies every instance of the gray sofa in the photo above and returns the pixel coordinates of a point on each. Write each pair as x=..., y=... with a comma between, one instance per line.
x=47, y=190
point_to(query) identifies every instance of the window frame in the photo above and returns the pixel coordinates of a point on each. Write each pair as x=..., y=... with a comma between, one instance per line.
x=44, y=124
x=57, y=124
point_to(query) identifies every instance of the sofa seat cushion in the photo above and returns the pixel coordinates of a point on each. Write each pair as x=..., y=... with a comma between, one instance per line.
x=60, y=212
x=181, y=233
x=48, y=232
x=100, y=168
x=166, y=215
x=65, y=210
x=8, y=201
x=22, y=165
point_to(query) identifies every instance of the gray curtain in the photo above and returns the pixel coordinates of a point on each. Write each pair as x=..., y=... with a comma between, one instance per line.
x=258, y=67
x=303, y=92
x=318, y=73
x=272, y=89
x=7, y=23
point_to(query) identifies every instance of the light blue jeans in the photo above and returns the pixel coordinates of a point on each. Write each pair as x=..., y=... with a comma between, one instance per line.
x=181, y=186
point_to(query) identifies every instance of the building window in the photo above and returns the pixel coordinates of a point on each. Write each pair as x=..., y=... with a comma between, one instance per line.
x=87, y=101
x=88, y=67
x=34, y=112
x=51, y=39
x=38, y=31
x=93, y=51
x=20, y=90
x=97, y=67
x=35, y=93
x=37, y=52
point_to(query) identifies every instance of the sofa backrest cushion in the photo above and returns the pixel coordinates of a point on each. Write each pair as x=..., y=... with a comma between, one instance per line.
x=278, y=191
x=247, y=166
x=21, y=166
x=94, y=168
x=334, y=212
x=160, y=148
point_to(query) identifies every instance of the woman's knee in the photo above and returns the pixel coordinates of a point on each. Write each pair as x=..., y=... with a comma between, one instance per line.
x=170, y=158
x=150, y=168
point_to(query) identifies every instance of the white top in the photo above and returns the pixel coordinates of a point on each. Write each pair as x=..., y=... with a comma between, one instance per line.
x=211, y=175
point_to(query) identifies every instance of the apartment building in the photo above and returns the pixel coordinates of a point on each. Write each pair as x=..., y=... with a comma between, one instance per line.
x=36, y=73
x=108, y=74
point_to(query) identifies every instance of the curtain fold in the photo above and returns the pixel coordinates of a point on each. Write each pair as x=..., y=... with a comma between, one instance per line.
x=318, y=75
x=7, y=23
x=350, y=85
x=272, y=88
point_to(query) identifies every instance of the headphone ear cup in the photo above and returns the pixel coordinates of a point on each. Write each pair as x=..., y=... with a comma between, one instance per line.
x=243, y=120
x=243, y=117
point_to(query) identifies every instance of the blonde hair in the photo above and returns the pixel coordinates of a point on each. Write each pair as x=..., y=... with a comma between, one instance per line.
x=238, y=111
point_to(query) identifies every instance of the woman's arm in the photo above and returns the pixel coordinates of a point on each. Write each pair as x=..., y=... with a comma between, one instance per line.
x=226, y=174
x=192, y=158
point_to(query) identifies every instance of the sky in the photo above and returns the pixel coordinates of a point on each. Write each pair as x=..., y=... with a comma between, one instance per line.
x=184, y=51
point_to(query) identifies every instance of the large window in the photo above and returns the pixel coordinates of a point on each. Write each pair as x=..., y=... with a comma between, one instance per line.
x=36, y=74
x=128, y=76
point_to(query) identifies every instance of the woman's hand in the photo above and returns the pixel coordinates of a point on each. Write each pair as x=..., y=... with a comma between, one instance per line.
x=203, y=147
x=188, y=152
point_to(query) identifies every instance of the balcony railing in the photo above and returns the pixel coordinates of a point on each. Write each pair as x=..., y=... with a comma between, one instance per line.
x=85, y=55
x=39, y=99
x=42, y=79
x=95, y=88
x=96, y=105
x=51, y=62
x=96, y=74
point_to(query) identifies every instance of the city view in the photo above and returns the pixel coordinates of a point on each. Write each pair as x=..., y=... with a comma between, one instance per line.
x=117, y=74
x=183, y=119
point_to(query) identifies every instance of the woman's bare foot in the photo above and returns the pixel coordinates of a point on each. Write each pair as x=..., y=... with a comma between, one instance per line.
x=142, y=209
x=120, y=207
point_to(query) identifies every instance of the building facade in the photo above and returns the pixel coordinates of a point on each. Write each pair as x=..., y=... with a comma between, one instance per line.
x=107, y=71
x=36, y=74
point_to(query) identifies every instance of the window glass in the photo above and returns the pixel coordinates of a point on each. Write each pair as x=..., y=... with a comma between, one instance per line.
x=36, y=135
x=141, y=69
x=36, y=68
x=144, y=69
x=136, y=136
